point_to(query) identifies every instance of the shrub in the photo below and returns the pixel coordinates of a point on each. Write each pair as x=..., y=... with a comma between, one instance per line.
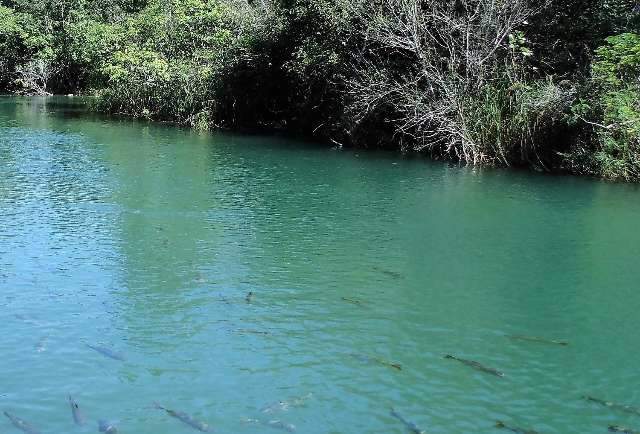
x=517, y=123
x=168, y=68
x=452, y=80
x=612, y=108
x=144, y=83
x=88, y=47
x=20, y=42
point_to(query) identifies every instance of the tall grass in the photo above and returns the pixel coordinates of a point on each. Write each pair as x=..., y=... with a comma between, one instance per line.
x=510, y=122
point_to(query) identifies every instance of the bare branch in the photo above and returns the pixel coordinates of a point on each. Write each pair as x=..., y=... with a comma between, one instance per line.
x=452, y=50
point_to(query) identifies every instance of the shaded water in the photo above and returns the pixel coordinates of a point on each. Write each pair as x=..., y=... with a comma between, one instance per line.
x=145, y=239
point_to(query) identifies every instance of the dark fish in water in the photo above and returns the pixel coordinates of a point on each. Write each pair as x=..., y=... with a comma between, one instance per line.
x=78, y=417
x=389, y=273
x=476, y=365
x=618, y=428
x=185, y=418
x=621, y=407
x=352, y=301
x=412, y=427
x=107, y=427
x=500, y=424
x=393, y=365
x=249, y=296
x=252, y=332
x=21, y=424
x=370, y=359
x=107, y=352
x=537, y=339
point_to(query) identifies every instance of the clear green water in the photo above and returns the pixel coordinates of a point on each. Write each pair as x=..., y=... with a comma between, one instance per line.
x=146, y=239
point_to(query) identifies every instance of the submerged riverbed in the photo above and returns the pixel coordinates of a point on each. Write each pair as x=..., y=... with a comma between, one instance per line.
x=366, y=269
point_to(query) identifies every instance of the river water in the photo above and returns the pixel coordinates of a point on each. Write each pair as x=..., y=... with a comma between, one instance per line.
x=145, y=240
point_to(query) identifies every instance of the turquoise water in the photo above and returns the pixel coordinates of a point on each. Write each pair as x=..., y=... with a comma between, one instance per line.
x=146, y=239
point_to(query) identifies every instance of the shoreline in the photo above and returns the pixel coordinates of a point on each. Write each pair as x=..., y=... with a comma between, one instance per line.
x=327, y=143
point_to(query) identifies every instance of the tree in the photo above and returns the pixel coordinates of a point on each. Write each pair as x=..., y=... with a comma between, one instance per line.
x=435, y=69
x=34, y=76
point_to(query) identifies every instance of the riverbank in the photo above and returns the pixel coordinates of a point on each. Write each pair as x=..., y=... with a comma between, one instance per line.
x=393, y=75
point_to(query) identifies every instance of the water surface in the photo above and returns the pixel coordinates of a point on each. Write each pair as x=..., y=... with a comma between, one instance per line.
x=145, y=239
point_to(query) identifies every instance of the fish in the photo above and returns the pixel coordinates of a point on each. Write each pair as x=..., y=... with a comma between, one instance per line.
x=249, y=296
x=276, y=406
x=185, y=418
x=412, y=427
x=107, y=352
x=622, y=429
x=537, y=339
x=372, y=359
x=393, y=365
x=301, y=400
x=285, y=405
x=253, y=332
x=78, y=417
x=500, y=424
x=352, y=301
x=276, y=424
x=107, y=427
x=476, y=365
x=21, y=424
x=389, y=273
x=621, y=407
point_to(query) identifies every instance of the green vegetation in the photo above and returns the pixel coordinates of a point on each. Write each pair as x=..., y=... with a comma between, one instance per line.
x=553, y=85
x=614, y=102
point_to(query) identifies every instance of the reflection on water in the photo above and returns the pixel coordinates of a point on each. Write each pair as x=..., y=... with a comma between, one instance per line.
x=128, y=250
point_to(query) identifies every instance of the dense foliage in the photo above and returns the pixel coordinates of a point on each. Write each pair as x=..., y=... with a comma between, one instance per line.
x=553, y=85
